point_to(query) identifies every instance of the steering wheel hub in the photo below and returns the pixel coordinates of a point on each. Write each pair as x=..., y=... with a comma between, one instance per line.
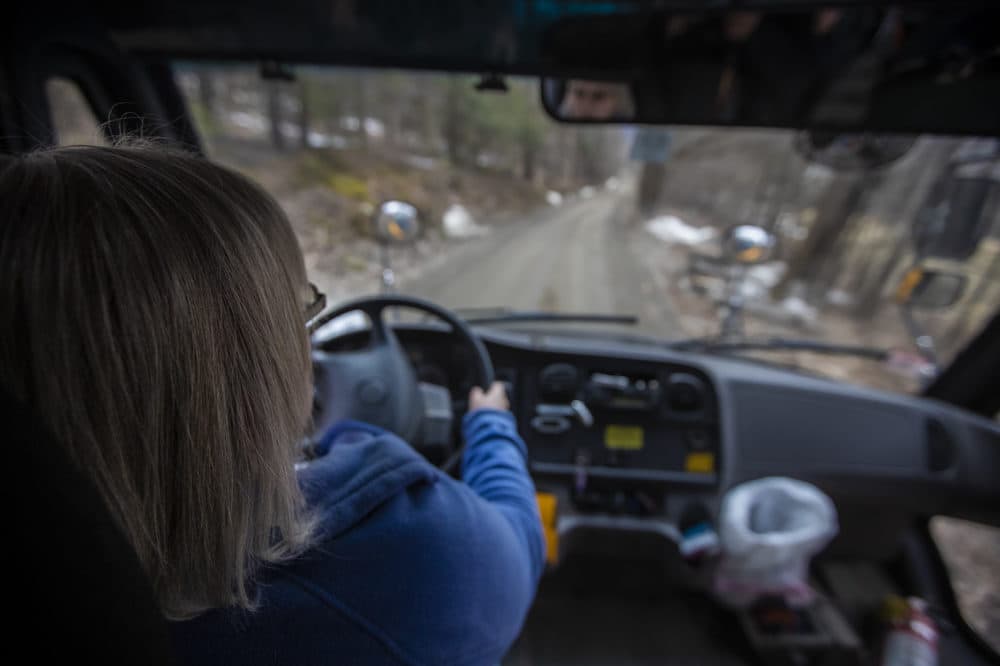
x=372, y=392
x=377, y=384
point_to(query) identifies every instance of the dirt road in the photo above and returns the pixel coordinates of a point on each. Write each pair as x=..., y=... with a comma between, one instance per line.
x=577, y=257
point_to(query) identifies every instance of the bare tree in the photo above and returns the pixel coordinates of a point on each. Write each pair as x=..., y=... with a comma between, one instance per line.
x=454, y=121
x=304, y=118
x=361, y=107
x=835, y=207
x=206, y=92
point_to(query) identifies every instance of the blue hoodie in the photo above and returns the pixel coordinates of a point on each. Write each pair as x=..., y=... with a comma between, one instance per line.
x=409, y=566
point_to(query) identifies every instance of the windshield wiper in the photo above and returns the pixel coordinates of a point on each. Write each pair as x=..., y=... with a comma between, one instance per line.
x=506, y=315
x=779, y=344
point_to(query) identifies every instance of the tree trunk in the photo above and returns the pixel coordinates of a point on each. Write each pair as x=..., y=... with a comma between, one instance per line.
x=206, y=93
x=870, y=297
x=361, y=108
x=835, y=208
x=274, y=113
x=453, y=127
x=529, y=151
x=650, y=188
x=567, y=139
x=304, y=119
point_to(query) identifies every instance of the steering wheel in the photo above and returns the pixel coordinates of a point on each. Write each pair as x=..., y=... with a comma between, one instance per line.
x=377, y=384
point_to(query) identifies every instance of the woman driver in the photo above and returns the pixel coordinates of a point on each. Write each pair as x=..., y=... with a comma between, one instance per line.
x=153, y=308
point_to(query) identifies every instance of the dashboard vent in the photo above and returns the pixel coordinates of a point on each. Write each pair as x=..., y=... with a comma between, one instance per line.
x=686, y=393
x=558, y=382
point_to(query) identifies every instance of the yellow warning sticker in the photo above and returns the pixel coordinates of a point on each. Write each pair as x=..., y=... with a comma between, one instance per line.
x=700, y=462
x=547, y=507
x=622, y=437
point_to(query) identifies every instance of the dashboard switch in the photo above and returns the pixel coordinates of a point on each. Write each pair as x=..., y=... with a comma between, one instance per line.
x=582, y=413
x=550, y=424
x=575, y=409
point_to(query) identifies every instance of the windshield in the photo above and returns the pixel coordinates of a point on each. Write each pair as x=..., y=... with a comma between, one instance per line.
x=519, y=212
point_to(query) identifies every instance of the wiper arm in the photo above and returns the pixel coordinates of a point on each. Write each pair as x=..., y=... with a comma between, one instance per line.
x=780, y=344
x=505, y=315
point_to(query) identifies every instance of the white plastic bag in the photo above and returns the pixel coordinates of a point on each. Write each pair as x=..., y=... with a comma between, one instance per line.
x=769, y=529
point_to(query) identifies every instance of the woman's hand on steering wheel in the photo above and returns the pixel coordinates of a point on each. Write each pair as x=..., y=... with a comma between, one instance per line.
x=494, y=398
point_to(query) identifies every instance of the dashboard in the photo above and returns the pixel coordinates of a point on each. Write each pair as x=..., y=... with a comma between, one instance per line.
x=632, y=436
x=609, y=417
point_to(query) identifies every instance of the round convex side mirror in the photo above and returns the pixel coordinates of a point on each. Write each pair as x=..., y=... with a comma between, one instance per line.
x=749, y=244
x=396, y=223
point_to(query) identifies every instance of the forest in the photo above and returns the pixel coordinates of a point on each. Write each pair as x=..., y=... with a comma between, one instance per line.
x=330, y=143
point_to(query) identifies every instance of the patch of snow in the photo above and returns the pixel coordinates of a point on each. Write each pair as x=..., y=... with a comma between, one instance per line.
x=553, y=198
x=751, y=290
x=587, y=192
x=817, y=173
x=840, y=298
x=458, y=223
x=421, y=162
x=799, y=309
x=374, y=128
x=767, y=275
x=323, y=140
x=251, y=121
x=790, y=226
x=672, y=229
x=758, y=281
x=487, y=159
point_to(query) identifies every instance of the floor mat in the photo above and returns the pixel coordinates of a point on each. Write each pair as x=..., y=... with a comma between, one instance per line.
x=624, y=618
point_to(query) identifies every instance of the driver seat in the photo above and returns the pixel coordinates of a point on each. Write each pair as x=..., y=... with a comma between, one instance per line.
x=77, y=589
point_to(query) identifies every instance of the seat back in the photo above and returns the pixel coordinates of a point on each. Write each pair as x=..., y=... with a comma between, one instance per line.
x=76, y=587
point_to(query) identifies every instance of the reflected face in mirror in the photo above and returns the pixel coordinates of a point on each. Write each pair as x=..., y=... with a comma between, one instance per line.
x=596, y=100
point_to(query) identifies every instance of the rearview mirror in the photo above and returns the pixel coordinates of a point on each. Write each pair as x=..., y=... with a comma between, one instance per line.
x=396, y=223
x=840, y=69
x=928, y=289
x=748, y=244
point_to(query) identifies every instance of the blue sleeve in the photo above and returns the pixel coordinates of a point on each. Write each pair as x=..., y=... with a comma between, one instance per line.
x=436, y=570
x=495, y=468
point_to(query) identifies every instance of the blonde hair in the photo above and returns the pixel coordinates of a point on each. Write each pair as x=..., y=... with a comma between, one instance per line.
x=151, y=311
